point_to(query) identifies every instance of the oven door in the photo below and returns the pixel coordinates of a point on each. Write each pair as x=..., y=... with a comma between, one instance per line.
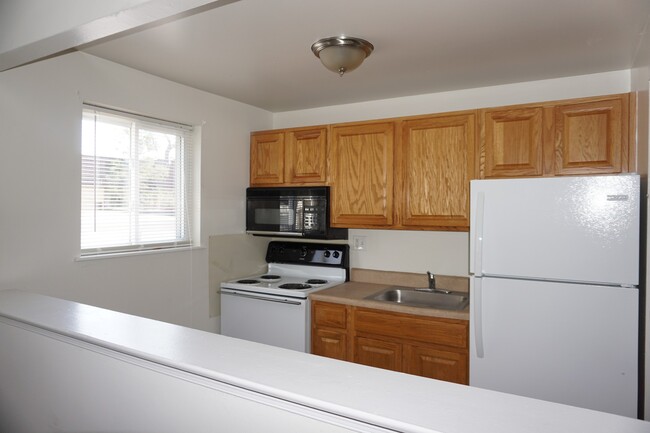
x=275, y=320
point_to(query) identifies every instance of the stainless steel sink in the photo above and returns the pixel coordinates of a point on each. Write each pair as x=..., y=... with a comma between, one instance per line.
x=422, y=298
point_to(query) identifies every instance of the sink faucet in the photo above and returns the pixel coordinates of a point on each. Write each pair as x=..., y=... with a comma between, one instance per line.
x=432, y=285
x=432, y=281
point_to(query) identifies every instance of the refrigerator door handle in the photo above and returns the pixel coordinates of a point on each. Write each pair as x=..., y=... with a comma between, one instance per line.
x=478, y=240
x=478, y=317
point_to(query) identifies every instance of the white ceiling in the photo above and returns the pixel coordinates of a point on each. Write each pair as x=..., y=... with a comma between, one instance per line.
x=258, y=51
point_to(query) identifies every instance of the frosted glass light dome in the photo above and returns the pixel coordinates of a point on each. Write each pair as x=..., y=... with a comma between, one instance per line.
x=342, y=54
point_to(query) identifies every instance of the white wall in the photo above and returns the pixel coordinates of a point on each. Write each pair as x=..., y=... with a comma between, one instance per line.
x=442, y=252
x=40, y=168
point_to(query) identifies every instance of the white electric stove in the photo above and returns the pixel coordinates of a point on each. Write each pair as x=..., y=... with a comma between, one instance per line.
x=273, y=307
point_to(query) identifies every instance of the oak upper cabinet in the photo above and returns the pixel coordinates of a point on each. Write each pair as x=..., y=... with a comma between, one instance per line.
x=306, y=156
x=435, y=162
x=361, y=174
x=267, y=159
x=512, y=142
x=592, y=136
x=289, y=157
x=571, y=137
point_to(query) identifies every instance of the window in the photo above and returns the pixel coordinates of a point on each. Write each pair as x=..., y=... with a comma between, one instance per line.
x=135, y=182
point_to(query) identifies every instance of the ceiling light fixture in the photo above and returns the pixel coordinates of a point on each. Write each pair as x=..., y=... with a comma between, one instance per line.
x=342, y=54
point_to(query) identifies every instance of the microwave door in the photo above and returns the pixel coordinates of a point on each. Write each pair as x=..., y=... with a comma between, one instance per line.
x=277, y=215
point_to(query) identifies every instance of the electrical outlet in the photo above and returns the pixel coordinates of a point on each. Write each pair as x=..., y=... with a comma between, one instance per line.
x=359, y=243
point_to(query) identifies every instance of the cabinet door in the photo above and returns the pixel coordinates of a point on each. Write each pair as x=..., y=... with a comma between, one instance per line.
x=435, y=164
x=330, y=343
x=436, y=364
x=378, y=353
x=361, y=175
x=592, y=136
x=512, y=142
x=267, y=159
x=306, y=156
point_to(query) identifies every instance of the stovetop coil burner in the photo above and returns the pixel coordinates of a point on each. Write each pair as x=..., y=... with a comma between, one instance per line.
x=316, y=281
x=248, y=281
x=294, y=286
x=270, y=277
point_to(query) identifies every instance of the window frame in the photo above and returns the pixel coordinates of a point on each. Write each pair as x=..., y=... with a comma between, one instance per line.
x=184, y=191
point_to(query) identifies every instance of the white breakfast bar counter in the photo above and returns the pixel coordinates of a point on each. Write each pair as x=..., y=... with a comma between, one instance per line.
x=71, y=367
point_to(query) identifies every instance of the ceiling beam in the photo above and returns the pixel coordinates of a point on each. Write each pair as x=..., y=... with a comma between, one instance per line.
x=135, y=18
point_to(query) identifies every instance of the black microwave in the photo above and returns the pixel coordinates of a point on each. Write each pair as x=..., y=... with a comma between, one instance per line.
x=291, y=212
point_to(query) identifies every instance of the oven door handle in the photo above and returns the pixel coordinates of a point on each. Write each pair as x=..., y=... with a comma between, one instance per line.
x=261, y=298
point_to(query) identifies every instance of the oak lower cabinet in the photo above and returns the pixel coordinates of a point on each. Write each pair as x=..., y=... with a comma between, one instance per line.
x=329, y=330
x=425, y=346
x=436, y=363
x=330, y=343
x=558, y=138
x=378, y=353
x=289, y=157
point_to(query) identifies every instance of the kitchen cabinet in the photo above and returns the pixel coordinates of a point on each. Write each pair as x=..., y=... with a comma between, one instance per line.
x=329, y=330
x=267, y=159
x=591, y=137
x=361, y=174
x=436, y=363
x=378, y=353
x=330, y=343
x=422, y=345
x=512, y=142
x=435, y=162
x=289, y=157
x=572, y=137
x=413, y=173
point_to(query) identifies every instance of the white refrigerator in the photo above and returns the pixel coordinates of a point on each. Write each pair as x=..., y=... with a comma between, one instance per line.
x=554, y=302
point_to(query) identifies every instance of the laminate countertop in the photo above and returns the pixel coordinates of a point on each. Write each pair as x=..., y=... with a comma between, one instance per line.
x=355, y=292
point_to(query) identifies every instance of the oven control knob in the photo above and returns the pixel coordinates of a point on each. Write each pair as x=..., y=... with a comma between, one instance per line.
x=303, y=252
x=327, y=254
x=336, y=254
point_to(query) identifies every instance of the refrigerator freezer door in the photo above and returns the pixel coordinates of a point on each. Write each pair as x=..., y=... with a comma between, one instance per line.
x=582, y=229
x=568, y=343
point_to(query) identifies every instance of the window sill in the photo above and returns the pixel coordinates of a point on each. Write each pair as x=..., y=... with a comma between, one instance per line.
x=136, y=253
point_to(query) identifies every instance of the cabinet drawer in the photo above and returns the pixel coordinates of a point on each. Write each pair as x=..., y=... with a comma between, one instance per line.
x=448, y=332
x=331, y=315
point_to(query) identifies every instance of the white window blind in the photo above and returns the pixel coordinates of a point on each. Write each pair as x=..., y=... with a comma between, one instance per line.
x=135, y=182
